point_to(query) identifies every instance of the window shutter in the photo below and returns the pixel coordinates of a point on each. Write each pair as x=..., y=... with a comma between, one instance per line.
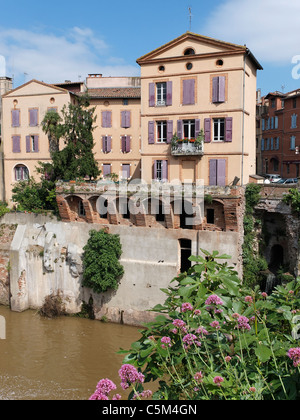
x=151, y=94
x=27, y=144
x=106, y=119
x=179, y=129
x=16, y=144
x=15, y=115
x=228, y=123
x=126, y=171
x=213, y=172
x=123, y=144
x=188, y=92
x=215, y=89
x=127, y=144
x=221, y=90
x=36, y=144
x=262, y=144
x=104, y=144
x=155, y=170
x=221, y=172
x=33, y=117
x=169, y=93
x=197, y=128
x=164, y=164
x=169, y=131
x=106, y=169
x=207, y=130
x=125, y=119
x=108, y=144
x=151, y=132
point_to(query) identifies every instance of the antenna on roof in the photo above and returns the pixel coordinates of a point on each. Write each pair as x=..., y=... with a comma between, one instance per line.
x=190, y=19
x=282, y=88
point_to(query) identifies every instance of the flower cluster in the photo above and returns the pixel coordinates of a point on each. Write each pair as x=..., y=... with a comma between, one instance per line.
x=103, y=388
x=294, y=355
x=129, y=375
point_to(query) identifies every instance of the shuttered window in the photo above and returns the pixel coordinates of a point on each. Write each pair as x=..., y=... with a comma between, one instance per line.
x=217, y=172
x=106, y=119
x=32, y=144
x=15, y=118
x=218, y=89
x=160, y=170
x=33, y=117
x=125, y=144
x=188, y=92
x=125, y=119
x=106, y=144
x=16, y=144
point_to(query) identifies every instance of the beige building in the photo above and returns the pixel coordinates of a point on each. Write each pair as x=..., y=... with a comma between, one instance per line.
x=196, y=83
x=24, y=142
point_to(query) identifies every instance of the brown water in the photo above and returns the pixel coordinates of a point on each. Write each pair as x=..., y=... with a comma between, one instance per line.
x=58, y=359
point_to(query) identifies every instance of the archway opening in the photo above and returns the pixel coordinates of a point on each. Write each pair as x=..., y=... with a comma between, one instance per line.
x=185, y=253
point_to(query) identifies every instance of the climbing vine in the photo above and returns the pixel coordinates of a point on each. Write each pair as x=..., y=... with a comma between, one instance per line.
x=101, y=267
x=253, y=261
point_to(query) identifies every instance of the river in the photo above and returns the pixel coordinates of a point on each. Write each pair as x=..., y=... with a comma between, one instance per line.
x=58, y=359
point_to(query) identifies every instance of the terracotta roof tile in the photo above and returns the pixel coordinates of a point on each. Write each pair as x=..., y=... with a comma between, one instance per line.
x=128, y=92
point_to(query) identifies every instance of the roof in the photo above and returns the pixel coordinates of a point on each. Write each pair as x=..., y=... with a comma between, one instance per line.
x=128, y=92
x=228, y=47
x=35, y=81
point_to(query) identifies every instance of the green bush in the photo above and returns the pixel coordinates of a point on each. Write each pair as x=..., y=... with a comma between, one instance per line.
x=216, y=339
x=101, y=267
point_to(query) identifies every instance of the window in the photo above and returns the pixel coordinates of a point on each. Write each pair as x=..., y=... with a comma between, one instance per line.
x=106, y=119
x=125, y=102
x=275, y=165
x=106, y=169
x=189, y=51
x=294, y=102
x=106, y=144
x=16, y=146
x=273, y=103
x=125, y=171
x=15, y=118
x=263, y=124
x=293, y=143
x=188, y=92
x=33, y=117
x=125, y=146
x=161, y=131
x=189, y=129
x=210, y=216
x=189, y=66
x=32, y=143
x=81, y=210
x=294, y=121
x=277, y=143
x=276, y=123
x=125, y=119
x=218, y=89
x=161, y=170
x=21, y=173
x=217, y=172
x=219, y=129
x=161, y=94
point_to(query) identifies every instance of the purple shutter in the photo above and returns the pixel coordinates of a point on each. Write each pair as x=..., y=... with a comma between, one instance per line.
x=33, y=117
x=28, y=144
x=164, y=164
x=151, y=94
x=215, y=89
x=221, y=172
x=108, y=119
x=106, y=169
x=104, y=144
x=128, y=118
x=188, y=94
x=207, y=130
x=169, y=131
x=228, y=128
x=179, y=129
x=169, y=93
x=15, y=113
x=197, y=128
x=125, y=119
x=108, y=144
x=126, y=170
x=213, y=172
x=151, y=132
x=221, y=91
x=127, y=144
x=16, y=144
x=123, y=146
x=36, y=144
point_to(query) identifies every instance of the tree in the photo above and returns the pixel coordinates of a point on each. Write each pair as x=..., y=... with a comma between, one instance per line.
x=76, y=159
x=101, y=267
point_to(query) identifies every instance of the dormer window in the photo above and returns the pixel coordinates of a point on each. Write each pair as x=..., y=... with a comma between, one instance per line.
x=189, y=51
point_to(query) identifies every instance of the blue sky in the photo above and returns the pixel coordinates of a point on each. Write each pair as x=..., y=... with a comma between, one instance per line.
x=59, y=40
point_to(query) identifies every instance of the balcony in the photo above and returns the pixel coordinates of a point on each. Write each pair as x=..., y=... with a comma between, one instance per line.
x=187, y=148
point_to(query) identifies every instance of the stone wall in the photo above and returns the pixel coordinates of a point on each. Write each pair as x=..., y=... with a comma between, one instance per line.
x=7, y=232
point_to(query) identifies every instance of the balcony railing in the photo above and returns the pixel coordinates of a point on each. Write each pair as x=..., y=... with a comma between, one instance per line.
x=187, y=148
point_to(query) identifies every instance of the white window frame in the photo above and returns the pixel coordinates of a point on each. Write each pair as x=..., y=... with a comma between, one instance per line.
x=217, y=124
x=189, y=129
x=17, y=173
x=159, y=170
x=161, y=127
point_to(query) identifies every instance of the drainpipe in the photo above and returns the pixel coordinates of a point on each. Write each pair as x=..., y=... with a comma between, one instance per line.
x=243, y=118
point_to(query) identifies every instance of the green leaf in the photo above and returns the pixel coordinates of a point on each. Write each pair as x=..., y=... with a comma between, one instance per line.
x=263, y=353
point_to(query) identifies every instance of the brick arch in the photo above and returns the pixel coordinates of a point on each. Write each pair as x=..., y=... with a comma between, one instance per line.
x=73, y=202
x=214, y=215
x=181, y=210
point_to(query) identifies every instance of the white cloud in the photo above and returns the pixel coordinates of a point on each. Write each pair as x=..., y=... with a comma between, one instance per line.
x=53, y=58
x=270, y=28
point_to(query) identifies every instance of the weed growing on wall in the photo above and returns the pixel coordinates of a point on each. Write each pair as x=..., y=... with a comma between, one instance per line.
x=101, y=267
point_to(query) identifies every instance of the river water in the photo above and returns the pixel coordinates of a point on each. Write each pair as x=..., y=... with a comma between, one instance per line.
x=59, y=359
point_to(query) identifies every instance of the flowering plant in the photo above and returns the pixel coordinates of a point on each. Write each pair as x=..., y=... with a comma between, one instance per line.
x=215, y=339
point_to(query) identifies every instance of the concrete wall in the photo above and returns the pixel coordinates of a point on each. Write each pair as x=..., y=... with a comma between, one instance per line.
x=45, y=257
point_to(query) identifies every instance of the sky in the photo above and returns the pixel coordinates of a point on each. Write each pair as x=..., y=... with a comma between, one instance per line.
x=66, y=40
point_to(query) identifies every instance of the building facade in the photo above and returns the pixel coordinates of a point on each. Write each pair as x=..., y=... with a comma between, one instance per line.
x=198, y=111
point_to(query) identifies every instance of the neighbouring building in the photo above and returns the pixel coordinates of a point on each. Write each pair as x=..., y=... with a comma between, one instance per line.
x=279, y=134
x=196, y=83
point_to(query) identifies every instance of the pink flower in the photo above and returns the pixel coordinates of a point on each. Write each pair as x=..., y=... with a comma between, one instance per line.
x=198, y=377
x=180, y=324
x=129, y=375
x=248, y=299
x=197, y=312
x=201, y=331
x=294, y=355
x=103, y=388
x=218, y=380
x=243, y=323
x=166, y=340
x=264, y=295
x=215, y=324
x=252, y=389
x=213, y=300
x=189, y=340
x=186, y=306
x=227, y=359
